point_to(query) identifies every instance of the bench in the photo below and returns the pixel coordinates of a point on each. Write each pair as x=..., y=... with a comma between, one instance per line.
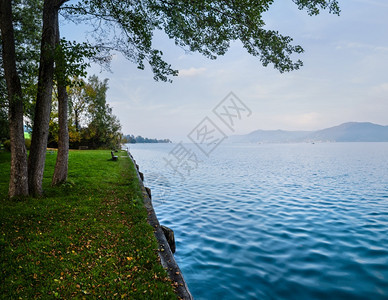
x=83, y=148
x=114, y=157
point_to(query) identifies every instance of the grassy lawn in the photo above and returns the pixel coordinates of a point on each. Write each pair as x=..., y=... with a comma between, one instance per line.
x=88, y=238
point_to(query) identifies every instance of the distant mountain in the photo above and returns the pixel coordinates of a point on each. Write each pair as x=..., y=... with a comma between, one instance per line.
x=270, y=136
x=347, y=132
x=352, y=132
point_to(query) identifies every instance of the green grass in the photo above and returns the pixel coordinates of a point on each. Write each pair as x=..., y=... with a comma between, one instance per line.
x=87, y=238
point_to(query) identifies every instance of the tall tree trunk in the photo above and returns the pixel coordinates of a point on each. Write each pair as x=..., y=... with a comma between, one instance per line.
x=36, y=160
x=18, y=185
x=61, y=166
x=76, y=120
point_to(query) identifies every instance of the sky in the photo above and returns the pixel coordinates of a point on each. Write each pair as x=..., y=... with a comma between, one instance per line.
x=344, y=77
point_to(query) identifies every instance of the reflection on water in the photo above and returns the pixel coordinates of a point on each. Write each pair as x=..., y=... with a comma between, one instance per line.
x=290, y=221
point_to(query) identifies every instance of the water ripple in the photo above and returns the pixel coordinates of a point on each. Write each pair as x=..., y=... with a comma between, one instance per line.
x=279, y=221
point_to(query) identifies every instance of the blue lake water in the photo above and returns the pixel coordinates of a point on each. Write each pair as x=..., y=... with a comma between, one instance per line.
x=276, y=221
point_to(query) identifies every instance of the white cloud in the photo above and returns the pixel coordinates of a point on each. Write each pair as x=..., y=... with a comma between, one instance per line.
x=381, y=3
x=303, y=121
x=383, y=88
x=191, y=72
x=354, y=45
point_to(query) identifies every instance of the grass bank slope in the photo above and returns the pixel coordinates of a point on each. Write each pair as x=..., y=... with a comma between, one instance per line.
x=86, y=238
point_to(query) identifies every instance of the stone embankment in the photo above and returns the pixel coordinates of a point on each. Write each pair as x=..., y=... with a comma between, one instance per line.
x=165, y=238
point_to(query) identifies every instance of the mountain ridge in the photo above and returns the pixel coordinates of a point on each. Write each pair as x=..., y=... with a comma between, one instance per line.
x=345, y=132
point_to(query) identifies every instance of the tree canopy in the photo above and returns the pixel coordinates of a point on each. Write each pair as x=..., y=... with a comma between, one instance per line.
x=203, y=26
x=27, y=30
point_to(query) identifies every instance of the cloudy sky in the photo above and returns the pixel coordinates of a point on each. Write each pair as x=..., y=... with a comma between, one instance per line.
x=344, y=77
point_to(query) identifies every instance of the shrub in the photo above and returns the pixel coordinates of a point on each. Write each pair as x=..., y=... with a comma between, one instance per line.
x=7, y=145
x=28, y=143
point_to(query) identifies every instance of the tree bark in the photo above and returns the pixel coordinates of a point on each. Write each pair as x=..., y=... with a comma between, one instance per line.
x=61, y=166
x=36, y=160
x=18, y=185
x=76, y=120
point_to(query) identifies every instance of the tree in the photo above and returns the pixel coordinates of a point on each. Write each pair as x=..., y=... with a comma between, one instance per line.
x=97, y=126
x=18, y=185
x=27, y=23
x=78, y=103
x=20, y=30
x=102, y=128
x=69, y=62
x=61, y=164
x=52, y=50
x=26, y=15
x=127, y=26
x=4, y=129
x=36, y=159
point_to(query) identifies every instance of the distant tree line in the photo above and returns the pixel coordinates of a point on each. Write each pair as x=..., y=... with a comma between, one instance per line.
x=131, y=139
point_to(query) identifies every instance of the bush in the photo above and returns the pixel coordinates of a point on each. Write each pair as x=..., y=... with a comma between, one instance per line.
x=7, y=145
x=28, y=143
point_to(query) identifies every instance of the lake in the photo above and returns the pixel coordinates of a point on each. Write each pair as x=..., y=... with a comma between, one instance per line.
x=275, y=221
